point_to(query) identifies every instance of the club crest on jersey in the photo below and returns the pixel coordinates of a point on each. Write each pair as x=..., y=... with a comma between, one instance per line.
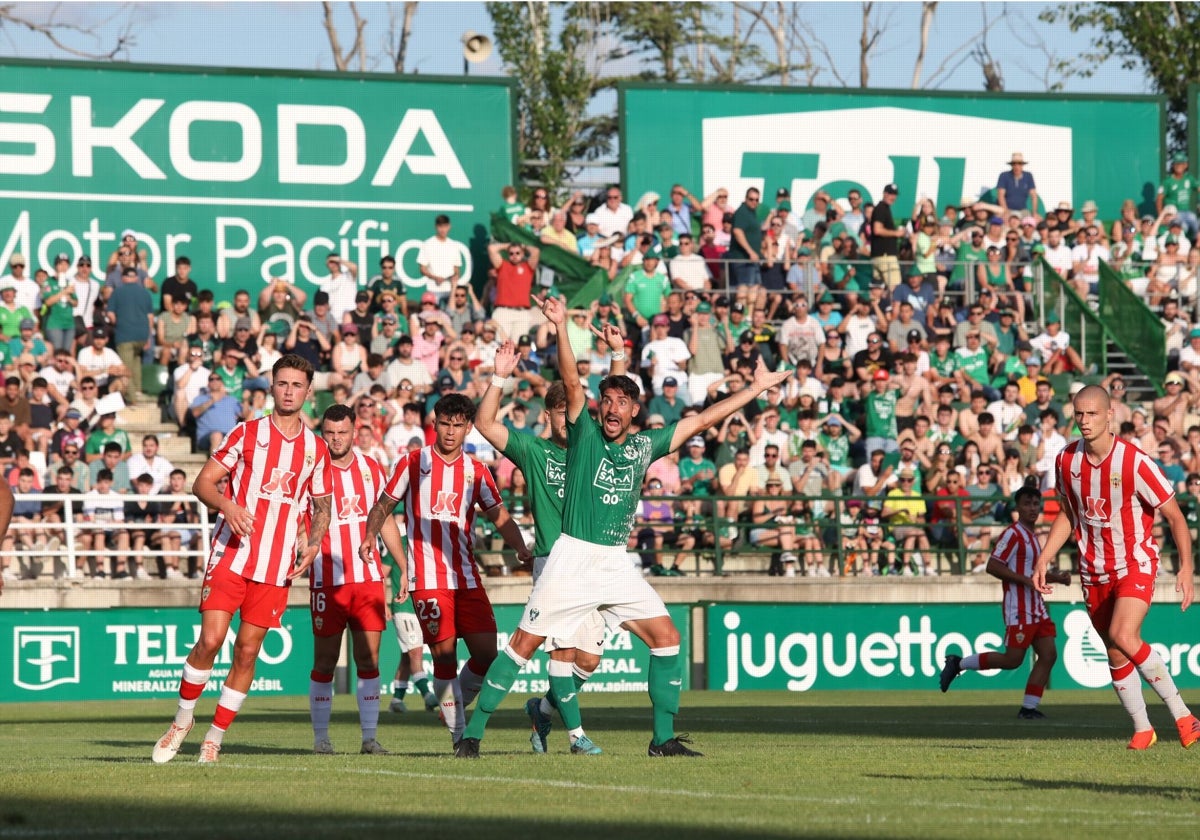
x=318, y=622
x=309, y=457
x=433, y=626
x=205, y=592
x=1020, y=638
x=1095, y=509
x=279, y=483
x=1115, y=479
x=443, y=505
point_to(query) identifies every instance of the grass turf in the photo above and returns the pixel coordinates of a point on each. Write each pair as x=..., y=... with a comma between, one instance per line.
x=832, y=764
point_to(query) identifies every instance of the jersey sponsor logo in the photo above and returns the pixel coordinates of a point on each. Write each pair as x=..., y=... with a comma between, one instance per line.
x=1095, y=509
x=1084, y=654
x=556, y=473
x=612, y=478
x=350, y=507
x=279, y=483
x=443, y=506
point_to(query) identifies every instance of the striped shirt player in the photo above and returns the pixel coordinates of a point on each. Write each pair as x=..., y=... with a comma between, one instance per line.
x=273, y=477
x=1112, y=506
x=1025, y=613
x=440, y=499
x=345, y=590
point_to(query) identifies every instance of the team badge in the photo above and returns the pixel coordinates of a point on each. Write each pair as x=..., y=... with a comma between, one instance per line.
x=1020, y=638
x=1115, y=479
x=629, y=452
x=205, y=592
x=318, y=622
x=534, y=613
x=433, y=626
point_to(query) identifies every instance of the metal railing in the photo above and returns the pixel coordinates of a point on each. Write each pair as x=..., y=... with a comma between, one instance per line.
x=32, y=538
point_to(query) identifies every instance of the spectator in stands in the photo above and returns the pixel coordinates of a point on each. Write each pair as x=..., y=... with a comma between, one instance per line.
x=133, y=311
x=104, y=507
x=440, y=260
x=216, y=412
x=113, y=459
x=180, y=514
x=149, y=462
x=772, y=525
x=281, y=301
x=906, y=513
x=386, y=282
x=1053, y=345
x=87, y=293
x=180, y=286
x=1179, y=189
x=1174, y=405
x=872, y=477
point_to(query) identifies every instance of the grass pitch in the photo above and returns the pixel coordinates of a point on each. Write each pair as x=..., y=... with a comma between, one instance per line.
x=833, y=764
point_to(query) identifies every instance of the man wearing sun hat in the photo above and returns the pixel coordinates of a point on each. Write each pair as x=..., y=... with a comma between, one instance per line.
x=1015, y=189
x=1175, y=404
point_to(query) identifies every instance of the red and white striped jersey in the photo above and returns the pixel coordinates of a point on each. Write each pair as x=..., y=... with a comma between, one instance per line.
x=440, y=498
x=1018, y=549
x=1112, y=507
x=356, y=488
x=272, y=476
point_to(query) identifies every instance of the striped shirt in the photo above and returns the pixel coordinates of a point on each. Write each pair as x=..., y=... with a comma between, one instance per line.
x=1018, y=549
x=272, y=476
x=439, y=499
x=1112, y=507
x=356, y=488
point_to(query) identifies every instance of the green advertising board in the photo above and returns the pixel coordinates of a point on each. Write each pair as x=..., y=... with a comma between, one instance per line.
x=138, y=654
x=811, y=647
x=943, y=146
x=251, y=175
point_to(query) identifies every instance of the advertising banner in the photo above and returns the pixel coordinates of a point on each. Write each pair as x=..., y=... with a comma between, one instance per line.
x=251, y=175
x=803, y=647
x=944, y=146
x=139, y=654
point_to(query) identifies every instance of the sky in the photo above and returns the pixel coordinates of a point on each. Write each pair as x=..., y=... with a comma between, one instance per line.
x=292, y=36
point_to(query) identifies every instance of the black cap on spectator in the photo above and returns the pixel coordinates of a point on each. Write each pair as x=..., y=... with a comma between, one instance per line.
x=524, y=341
x=739, y=307
x=363, y=296
x=914, y=335
x=321, y=299
x=721, y=301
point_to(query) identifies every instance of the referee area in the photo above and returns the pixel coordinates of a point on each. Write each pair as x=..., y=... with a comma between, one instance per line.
x=777, y=764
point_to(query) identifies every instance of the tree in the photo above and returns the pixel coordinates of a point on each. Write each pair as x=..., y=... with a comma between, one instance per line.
x=556, y=76
x=681, y=42
x=70, y=32
x=1162, y=39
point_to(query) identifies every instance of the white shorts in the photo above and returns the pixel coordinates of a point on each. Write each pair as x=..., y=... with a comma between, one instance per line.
x=581, y=577
x=591, y=633
x=408, y=630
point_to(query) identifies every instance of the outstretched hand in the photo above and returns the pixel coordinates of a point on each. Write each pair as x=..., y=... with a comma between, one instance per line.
x=610, y=335
x=765, y=378
x=506, y=359
x=553, y=308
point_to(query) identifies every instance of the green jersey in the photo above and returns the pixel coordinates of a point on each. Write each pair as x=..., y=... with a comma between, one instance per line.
x=544, y=465
x=604, y=480
x=97, y=440
x=973, y=364
x=943, y=365
x=837, y=448
x=881, y=414
x=60, y=315
x=966, y=256
x=647, y=292
x=1179, y=191
x=703, y=472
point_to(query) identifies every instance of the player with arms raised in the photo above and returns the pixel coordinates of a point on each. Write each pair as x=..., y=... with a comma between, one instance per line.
x=1026, y=621
x=1110, y=491
x=275, y=465
x=588, y=568
x=347, y=591
x=543, y=462
x=441, y=486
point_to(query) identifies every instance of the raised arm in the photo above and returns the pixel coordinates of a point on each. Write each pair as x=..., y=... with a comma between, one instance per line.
x=715, y=413
x=556, y=313
x=486, y=421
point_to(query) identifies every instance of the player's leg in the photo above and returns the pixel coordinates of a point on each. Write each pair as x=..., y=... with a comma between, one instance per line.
x=1046, y=654
x=666, y=680
x=417, y=675
x=327, y=646
x=476, y=623
x=496, y=685
x=1125, y=633
x=197, y=668
x=1126, y=681
x=246, y=647
x=366, y=663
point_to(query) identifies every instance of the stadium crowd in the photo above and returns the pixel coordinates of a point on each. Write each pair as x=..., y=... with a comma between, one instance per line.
x=920, y=369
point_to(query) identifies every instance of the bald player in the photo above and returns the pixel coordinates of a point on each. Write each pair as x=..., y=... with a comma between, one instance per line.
x=1111, y=490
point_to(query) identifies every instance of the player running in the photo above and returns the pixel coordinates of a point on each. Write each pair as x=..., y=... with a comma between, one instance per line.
x=543, y=463
x=441, y=486
x=1026, y=621
x=347, y=591
x=275, y=465
x=588, y=568
x=1110, y=491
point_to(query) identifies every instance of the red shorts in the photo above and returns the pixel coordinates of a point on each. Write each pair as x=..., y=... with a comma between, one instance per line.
x=261, y=604
x=453, y=613
x=358, y=606
x=1023, y=635
x=1102, y=597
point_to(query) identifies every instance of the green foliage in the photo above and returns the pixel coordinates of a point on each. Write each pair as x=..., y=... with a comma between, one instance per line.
x=776, y=765
x=554, y=53
x=1162, y=39
x=682, y=42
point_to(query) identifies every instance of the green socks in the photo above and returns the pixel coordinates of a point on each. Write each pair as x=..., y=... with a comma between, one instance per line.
x=496, y=683
x=564, y=690
x=666, y=682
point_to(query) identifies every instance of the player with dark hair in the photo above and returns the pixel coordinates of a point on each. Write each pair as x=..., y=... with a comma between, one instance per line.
x=347, y=590
x=1026, y=621
x=588, y=568
x=1111, y=490
x=275, y=466
x=543, y=463
x=441, y=486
